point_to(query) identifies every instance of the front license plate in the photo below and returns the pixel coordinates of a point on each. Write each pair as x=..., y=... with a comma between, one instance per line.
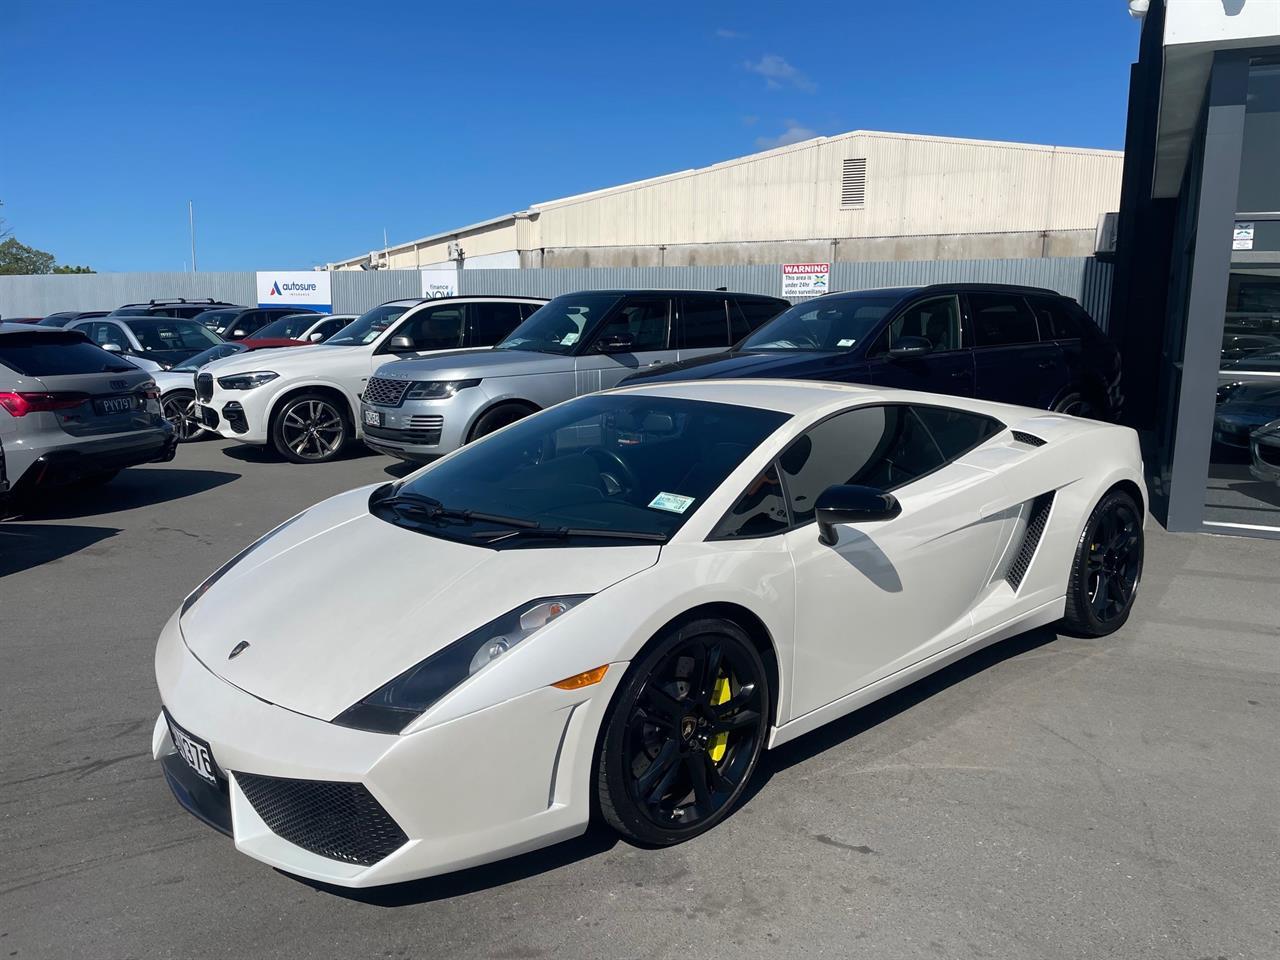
x=373, y=418
x=114, y=405
x=193, y=750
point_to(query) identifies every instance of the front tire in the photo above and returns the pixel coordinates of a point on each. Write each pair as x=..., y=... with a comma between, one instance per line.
x=497, y=418
x=684, y=734
x=1107, y=567
x=179, y=408
x=310, y=428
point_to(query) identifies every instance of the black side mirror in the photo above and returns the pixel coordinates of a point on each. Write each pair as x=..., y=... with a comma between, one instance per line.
x=850, y=503
x=615, y=343
x=910, y=347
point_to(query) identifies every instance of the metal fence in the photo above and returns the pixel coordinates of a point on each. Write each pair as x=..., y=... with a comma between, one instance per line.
x=1084, y=278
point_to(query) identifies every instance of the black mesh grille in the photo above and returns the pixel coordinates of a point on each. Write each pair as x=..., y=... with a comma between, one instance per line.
x=428, y=437
x=1030, y=439
x=204, y=386
x=384, y=392
x=341, y=821
x=1040, y=507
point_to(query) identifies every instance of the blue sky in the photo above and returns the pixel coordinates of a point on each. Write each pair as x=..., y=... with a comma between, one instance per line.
x=302, y=130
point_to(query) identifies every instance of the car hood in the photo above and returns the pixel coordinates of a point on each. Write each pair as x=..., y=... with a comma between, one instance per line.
x=765, y=363
x=475, y=363
x=339, y=602
x=314, y=358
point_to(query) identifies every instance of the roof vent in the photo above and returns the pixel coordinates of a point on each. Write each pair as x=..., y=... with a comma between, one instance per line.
x=853, y=182
x=1030, y=439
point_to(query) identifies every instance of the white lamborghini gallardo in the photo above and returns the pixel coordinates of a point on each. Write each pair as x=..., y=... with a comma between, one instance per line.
x=616, y=605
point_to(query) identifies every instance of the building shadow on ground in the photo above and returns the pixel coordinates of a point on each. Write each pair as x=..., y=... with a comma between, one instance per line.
x=24, y=546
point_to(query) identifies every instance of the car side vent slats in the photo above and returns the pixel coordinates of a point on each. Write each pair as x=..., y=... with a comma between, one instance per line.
x=853, y=182
x=1030, y=439
x=1036, y=522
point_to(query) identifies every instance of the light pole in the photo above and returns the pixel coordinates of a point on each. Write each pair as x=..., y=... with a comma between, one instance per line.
x=191, y=222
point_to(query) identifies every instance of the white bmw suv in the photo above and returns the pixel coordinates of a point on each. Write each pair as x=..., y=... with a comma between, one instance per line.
x=303, y=400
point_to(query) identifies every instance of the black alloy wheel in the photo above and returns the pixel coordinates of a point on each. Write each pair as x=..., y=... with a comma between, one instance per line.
x=1107, y=568
x=1076, y=404
x=179, y=408
x=310, y=429
x=495, y=419
x=684, y=735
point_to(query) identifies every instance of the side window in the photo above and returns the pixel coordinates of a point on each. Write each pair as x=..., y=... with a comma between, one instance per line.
x=956, y=432
x=747, y=314
x=703, y=322
x=529, y=309
x=760, y=512
x=883, y=447
x=1055, y=319
x=937, y=320
x=1000, y=319
x=104, y=333
x=491, y=322
x=435, y=329
x=329, y=328
x=644, y=320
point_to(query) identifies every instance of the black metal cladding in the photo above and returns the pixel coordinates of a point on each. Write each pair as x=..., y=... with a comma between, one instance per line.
x=341, y=821
x=1030, y=439
x=1039, y=517
x=204, y=387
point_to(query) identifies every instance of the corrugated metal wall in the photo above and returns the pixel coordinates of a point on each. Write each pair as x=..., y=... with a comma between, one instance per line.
x=1086, y=279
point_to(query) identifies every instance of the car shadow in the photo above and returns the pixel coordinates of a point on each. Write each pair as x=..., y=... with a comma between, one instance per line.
x=596, y=840
x=253, y=453
x=27, y=545
x=130, y=490
x=400, y=468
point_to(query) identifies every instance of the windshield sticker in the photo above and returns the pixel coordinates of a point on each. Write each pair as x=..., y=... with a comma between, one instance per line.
x=845, y=343
x=671, y=502
x=569, y=339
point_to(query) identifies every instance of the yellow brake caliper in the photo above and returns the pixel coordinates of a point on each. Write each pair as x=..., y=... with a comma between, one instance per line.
x=719, y=742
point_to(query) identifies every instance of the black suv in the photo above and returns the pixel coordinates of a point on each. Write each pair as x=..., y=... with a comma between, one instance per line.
x=176, y=307
x=236, y=323
x=1020, y=345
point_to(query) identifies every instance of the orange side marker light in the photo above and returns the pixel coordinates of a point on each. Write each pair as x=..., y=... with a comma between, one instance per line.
x=584, y=679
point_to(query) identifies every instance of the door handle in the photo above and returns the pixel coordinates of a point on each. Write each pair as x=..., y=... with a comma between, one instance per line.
x=656, y=363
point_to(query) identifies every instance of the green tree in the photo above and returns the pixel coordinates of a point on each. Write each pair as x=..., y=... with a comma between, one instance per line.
x=65, y=268
x=18, y=258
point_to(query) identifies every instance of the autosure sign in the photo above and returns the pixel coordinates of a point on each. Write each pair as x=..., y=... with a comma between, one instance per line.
x=295, y=288
x=805, y=279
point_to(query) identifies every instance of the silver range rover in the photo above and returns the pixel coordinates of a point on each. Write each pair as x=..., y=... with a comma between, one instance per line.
x=578, y=343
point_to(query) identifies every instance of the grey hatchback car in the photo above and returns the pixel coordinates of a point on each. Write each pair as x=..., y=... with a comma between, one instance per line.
x=72, y=412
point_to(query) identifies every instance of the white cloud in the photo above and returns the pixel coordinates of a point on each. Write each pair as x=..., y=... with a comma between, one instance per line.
x=724, y=33
x=794, y=133
x=778, y=73
x=750, y=120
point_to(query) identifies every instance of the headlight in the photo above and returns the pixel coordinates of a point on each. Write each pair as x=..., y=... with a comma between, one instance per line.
x=247, y=381
x=392, y=707
x=437, y=389
x=217, y=575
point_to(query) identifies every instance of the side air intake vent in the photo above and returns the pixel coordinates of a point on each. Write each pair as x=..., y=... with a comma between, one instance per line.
x=1039, y=516
x=1030, y=439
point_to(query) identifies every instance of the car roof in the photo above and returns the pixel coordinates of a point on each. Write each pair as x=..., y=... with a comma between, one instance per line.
x=959, y=286
x=668, y=292
x=414, y=301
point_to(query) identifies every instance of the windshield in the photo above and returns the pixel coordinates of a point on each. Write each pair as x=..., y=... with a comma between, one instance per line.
x=216, y=319
x=623, y=463
x=1264, y=361
x=210, y=355
x=171, y=333
x=832, y=323
x=557, y=326
x=368, y=327
x=288, y=328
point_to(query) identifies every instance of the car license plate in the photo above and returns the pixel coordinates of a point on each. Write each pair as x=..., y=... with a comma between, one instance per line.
x=193, y=750
x=373, y=418
x=111, y=405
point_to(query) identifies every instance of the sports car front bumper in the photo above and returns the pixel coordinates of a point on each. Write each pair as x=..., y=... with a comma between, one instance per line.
x=503, y=780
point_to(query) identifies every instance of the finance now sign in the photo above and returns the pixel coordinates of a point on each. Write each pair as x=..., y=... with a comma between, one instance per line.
x=805, y=280
x=295, y=288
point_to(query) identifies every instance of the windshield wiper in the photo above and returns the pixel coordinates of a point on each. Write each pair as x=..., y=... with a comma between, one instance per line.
x=432, y=509
x=563, y=533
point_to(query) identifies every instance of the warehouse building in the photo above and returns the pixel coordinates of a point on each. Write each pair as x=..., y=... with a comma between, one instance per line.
x=863, y=195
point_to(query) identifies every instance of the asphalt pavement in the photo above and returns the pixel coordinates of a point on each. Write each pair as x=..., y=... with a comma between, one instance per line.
x=1049, y=797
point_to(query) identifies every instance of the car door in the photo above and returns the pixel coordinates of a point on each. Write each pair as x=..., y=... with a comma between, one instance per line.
x=891, y=593
x=429, y=329
x=1011, y=362
x=702, y=325
x=634, y=335
x=490, y=321
x=946, y=368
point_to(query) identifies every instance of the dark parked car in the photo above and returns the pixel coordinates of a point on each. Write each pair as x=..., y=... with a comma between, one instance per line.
x=175, y=307
x=236, y=323
x=1018, y=345
x=1242, y=409
x=63, y=317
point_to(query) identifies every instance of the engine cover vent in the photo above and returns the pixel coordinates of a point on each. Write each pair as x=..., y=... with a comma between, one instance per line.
x=1039, y=518
x=1030, y=439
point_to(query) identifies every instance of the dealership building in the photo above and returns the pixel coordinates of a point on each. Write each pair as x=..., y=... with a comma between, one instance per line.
x=859, y=196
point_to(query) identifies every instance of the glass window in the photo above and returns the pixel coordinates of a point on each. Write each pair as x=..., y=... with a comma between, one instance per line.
x=883, y=447
x=491, y=322
x=56, y=355
x=956, y=432
x=369, y=326
x=760, y=512
x=1055, y=318
x=559, y=326
x=750, y=313
x=1000, y=319
x=606, y=462
x=643, y=320
x=703, y=322
x=937, y=320
x=163, y=333
x=104, y=333
x=329, y=328
x=829, y=323
x=210, y=355
x=1259, y=186
x=437, y=328
x=289, y=327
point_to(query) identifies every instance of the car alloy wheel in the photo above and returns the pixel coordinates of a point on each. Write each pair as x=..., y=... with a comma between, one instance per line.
x=312, y=429
x=180, y=410
x=685, y=735
x=1108, y=567
x=1077, y=405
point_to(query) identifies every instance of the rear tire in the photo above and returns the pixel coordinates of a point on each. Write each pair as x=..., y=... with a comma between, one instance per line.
x=311, y=428
x=1077, y=403
x=1107, y=567
x=497, y=418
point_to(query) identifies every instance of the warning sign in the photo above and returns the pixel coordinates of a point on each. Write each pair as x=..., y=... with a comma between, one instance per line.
x=805, y=280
